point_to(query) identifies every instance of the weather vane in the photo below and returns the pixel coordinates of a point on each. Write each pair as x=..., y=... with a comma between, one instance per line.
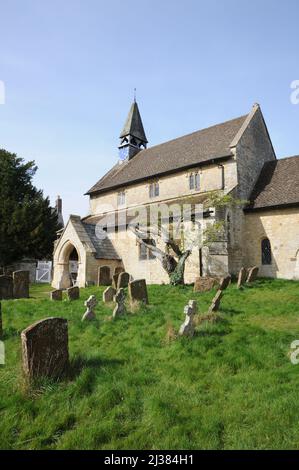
x=134, y=95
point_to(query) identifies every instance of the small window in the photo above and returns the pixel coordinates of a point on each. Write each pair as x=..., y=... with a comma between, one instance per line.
x=191, y=181
x=194, y=182
x=121, y=198
x=142, y=252
x=154, y=190
x=266, y=252
x=146, y=253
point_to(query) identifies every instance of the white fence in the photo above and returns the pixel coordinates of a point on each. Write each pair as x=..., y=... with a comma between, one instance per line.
x=44, y=271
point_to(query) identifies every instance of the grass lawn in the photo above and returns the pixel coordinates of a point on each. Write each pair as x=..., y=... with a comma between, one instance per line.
x=133, y=387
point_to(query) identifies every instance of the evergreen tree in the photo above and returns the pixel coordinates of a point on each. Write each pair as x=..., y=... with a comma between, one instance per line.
x=28, y=224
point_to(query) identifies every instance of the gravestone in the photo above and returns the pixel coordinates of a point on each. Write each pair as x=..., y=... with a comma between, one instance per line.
x=118, y=270
x=6, y=287
x=138, y=291
x=91, y=304
x=187, y=328
x=119, y=298
x=56, y=294
x=241, y=277
x=104, y=276
x=108, y=294
x=21, y=284
x=224, y=282
x=73, y=293
x=205, y=284
x=123, y=280
x=252, y=275
x=45, y=348
x=214, y=307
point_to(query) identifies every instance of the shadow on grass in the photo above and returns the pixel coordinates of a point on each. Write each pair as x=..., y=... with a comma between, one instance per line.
x=219, y=328
x=231, y=312
x=9, y=332
x=79, y=363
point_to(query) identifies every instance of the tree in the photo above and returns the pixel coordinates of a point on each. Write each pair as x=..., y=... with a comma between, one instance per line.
x=175, y=253
x=28, y=224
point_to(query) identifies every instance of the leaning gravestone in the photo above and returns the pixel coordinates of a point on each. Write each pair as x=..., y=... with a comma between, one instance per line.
x=73, y=293
x=224, y=283
x=242, y=277
x=21, y=284
x=104, y=277
x=187, y=328
x=6, y=287
x=45, y=348
x=108, y=294
x=138, y=291
x=214, y=307
x=56, y=294
x=91, y=304
x=205, y=284
x=123, y=280
x=252, y=275
x=119, y=298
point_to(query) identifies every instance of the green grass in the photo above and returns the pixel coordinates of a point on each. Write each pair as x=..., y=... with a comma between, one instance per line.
x=231, y=387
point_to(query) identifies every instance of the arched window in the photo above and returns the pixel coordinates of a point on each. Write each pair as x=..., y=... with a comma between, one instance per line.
x=266, y=251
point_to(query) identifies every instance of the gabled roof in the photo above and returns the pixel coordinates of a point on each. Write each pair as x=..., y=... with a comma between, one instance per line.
x=86, y=233
x=103, y=247
x=277, y=185
x=184, y=152
x=133, y=125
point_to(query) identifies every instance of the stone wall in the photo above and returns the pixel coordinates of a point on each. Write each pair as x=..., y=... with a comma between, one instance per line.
x=281, y=226
x=252, y=148
x=172, y=187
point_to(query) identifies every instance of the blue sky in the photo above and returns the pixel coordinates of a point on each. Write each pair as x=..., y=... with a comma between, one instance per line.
x=70, y=67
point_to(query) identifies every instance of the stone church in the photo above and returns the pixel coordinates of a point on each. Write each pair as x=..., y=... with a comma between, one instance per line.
x=235, y=157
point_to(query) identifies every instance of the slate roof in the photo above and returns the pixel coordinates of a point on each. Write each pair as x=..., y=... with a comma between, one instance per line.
x=104, y=248
x=133, y=125
x=277, y=185
x=184, y=152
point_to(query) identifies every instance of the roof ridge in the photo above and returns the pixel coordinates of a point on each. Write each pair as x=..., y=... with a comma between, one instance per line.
x=287, y=158
x=195, y=132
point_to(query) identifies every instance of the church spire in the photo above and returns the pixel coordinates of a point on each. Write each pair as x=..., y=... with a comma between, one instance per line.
x=133, y=138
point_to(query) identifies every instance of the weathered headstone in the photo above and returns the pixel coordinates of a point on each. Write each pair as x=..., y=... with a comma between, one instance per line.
x=56, y=294
x=118, y=270
x=108, y=294
x=21, y=283
x=138, y=291
x=205, y=284
x=6, y=287
x=120, y=308
x=73, y=293
x=90, y=304
x=224, y=282
x=252, y=275
x=241, y=277
x=45, y=348
x=214, y=307
x=187, y=328
x=104, y=276
x=123, y=280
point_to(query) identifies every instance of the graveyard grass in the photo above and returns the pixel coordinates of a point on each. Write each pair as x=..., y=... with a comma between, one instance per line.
x=132, y=385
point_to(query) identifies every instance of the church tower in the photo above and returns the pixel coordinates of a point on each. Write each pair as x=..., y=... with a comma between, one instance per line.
x=132, y=138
